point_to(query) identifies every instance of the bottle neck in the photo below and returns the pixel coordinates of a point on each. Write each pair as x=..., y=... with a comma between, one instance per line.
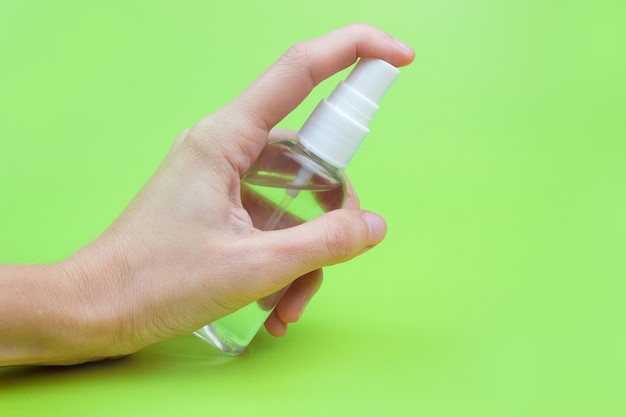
x=332, y=135
x=313, y=159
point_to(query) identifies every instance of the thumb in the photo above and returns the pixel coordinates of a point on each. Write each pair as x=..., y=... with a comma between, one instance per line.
x=332, y=238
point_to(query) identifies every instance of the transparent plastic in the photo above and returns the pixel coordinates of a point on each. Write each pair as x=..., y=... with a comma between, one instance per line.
x=295, y=181
x=286, y=186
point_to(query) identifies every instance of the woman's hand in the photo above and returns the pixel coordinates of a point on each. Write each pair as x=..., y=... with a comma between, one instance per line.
x=184, y=252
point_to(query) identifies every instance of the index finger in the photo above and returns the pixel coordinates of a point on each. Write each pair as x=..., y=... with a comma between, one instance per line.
x=289, y=80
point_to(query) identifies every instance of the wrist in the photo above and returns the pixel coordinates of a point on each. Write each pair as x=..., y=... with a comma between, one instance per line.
x=50, y=315
x=97, y=312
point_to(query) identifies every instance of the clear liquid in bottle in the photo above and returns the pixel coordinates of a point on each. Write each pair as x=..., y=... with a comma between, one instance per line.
x=285, y=187
x=295, y=181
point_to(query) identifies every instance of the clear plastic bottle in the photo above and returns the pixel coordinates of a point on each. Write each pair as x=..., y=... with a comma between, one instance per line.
x=296, y=180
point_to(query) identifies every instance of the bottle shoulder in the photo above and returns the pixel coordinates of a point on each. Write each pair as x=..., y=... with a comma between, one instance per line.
x=287, y=164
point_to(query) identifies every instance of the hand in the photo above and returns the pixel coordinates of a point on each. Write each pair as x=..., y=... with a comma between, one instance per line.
x=181, y=254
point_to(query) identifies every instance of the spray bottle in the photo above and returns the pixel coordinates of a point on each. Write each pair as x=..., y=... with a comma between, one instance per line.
x=294, y=181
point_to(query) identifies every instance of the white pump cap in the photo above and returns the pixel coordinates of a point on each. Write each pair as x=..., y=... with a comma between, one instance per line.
x=338, y=125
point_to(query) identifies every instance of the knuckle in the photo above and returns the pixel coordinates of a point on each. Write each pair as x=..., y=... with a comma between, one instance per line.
x=341, y=239
x=363, y=27
x=295, y=55
x=297, y=60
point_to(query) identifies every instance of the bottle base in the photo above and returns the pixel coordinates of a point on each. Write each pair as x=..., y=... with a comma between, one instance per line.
x=212, y=335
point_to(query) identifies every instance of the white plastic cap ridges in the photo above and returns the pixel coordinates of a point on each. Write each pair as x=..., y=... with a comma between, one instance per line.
x=338, y=125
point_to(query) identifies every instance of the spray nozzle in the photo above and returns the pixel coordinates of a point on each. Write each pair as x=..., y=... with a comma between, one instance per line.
x=338, y=125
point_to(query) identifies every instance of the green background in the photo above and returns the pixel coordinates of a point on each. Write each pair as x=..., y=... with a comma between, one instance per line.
x=498, y=159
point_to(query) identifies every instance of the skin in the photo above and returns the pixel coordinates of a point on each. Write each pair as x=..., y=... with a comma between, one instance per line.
x=179, y=255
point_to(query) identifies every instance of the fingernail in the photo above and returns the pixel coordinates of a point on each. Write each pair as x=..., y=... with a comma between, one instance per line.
x=377, y=226
x=301, y=309
x=403, y=45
